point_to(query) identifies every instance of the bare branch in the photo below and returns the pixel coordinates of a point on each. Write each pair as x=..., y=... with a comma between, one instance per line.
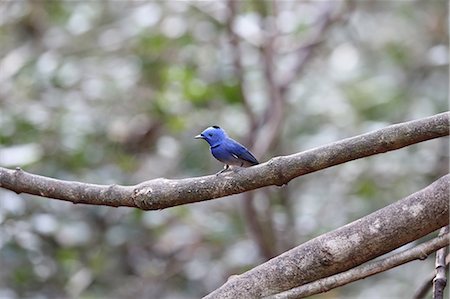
x=273, y=116
x=237, y=62
x=163, y=193
x=440, y=281
x=346, y=247
x=250, y=213
x=426, y=286
x=419, y=252
x=327, y=18
x=266, y=246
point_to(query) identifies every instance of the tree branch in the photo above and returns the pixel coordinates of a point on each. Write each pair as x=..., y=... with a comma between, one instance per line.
x=250, y=213
x=422, y=290
x=419, y=252
x=346, y=247
x=327, y=18
x=440, y=281
x=163, y=193
x=237, y=62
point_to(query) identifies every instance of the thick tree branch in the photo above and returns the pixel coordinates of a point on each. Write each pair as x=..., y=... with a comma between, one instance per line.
x=419, y=252
x=346, y=247
x=163, y=193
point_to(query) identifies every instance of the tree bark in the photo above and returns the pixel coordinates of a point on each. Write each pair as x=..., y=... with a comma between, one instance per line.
x=420, y=252
x=440, y=281
x=163, y=193
x=349, y=246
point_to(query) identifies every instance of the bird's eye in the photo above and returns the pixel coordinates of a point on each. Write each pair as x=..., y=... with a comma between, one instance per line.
x=210, y=135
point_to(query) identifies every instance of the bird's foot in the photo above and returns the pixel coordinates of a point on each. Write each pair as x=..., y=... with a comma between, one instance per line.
x=226, y=168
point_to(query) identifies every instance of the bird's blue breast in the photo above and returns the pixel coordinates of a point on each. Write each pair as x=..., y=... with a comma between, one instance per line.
x=221, y=153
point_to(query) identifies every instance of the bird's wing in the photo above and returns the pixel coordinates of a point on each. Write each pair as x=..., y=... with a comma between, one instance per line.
x=240, y=152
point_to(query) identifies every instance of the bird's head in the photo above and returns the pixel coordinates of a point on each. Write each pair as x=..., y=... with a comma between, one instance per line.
x=213, y=135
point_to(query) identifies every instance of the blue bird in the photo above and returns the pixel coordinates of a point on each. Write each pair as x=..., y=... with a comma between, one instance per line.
x=227, y=150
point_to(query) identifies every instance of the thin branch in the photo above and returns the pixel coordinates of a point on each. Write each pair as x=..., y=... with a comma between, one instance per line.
x=440, y=281
x=163, y=193
x=426, y=286
x=266, y=247
x=251, y=217
x=237, y=62
x=327, y=18
x=273, y=116
x=265, y=135
x=419, y=252
x=346, y=247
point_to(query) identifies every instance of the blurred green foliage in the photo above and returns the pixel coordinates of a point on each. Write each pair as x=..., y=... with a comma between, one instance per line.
x=113, y=92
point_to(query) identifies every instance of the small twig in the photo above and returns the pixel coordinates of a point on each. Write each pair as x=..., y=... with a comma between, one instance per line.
x=426, y=286
x=237, y=62
x=419, y=252
x=327, y=18
x=272, y=119
x=440, y=281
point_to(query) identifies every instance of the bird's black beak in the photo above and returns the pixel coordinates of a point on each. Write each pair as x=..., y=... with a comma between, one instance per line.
x=199, y=137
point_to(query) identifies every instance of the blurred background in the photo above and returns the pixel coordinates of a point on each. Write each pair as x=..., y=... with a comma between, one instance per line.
x=114, y=92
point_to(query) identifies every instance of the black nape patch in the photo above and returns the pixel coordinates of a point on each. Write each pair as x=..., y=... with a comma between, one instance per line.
x=216, y=127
